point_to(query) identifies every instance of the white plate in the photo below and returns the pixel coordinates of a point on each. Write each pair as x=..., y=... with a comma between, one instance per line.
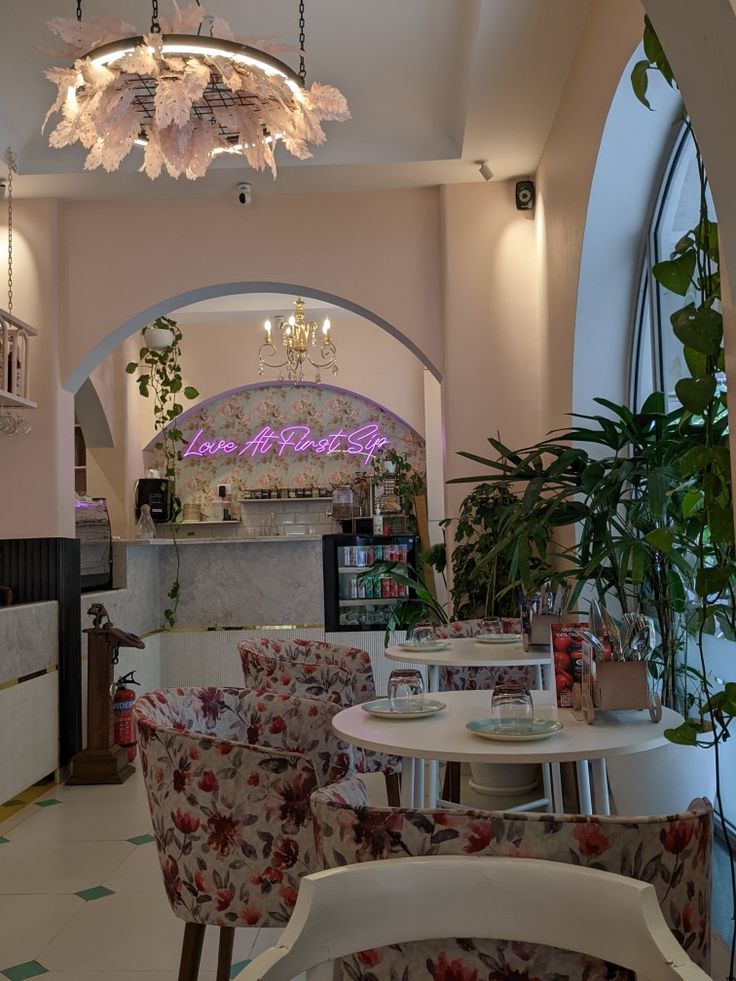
x=421, y=708
x=490, y=729
x=436, y=645
x=499, y=638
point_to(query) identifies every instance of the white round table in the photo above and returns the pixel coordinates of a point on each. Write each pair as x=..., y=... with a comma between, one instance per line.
x=469, y=652
x=444, y=737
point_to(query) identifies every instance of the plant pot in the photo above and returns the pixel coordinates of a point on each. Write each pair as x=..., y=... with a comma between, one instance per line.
x=504, y=779
x=158, y=338
x=661, y=781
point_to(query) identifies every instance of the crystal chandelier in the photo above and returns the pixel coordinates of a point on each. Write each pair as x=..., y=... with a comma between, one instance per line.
x=184, y=97
x=303, y=341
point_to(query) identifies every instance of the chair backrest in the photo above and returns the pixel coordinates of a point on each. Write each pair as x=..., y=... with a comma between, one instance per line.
x=671, y=852
x=615, y=918
x=454, y=678
x=229, y=773
x=310, y=668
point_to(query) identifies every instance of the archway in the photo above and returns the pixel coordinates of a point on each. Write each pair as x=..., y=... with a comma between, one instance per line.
x=88, y=363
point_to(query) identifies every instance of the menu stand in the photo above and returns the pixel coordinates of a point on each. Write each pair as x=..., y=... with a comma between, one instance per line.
x=102, y=761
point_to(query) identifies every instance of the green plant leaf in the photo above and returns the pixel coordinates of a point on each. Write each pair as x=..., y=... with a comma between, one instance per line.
x=685, y=734
x=655, y=52
x=661, y=538
x=696, y=394
x=699, y=328
x=190, y=392
x=640, y=82
x=676, y=274
x=692, y=501
x=131, y=367
x=712, y=580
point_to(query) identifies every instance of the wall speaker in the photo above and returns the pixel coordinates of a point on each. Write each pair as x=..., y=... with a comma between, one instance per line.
x=525, y=195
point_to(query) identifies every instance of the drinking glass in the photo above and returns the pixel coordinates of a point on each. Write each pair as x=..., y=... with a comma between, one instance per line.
x=423, y=634
x=512, y=707
x=491, y=625
x=404, y=685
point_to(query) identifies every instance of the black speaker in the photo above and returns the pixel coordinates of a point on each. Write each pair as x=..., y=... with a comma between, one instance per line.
x=524, y=195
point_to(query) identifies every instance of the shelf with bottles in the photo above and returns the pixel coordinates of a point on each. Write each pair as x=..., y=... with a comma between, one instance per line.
x=362, y=557
x=371, y=602
x=314, y=495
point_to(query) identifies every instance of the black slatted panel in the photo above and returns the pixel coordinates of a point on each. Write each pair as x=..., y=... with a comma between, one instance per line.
x=40, y=569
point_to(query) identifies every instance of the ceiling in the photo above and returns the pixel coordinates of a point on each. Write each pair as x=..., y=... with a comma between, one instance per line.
x=232, y=308
x=434, y=86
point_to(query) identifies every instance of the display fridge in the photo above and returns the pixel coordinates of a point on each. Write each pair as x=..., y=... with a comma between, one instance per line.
x=356, y=603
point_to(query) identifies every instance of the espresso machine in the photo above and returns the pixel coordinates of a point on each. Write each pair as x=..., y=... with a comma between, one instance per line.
x=156, y=492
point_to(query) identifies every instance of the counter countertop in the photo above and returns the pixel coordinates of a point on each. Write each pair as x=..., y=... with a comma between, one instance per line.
x=183, y=540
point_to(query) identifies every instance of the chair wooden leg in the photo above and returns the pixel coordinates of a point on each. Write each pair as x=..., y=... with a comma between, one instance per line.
x=191, y=951
x=451, y=784
x=225, y=953
x=393, y=789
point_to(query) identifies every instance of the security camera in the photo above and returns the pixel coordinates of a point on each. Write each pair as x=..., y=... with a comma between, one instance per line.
x=245, y=193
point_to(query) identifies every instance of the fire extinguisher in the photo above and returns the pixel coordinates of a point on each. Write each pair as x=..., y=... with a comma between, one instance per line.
x=122, y=711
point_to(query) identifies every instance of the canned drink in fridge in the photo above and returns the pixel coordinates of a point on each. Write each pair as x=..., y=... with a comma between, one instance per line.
x=354, y=588
x=393, y=588
x=404, y=553
x=378, y=553
x=369, y=555
x=385, y=588
x=361, y=589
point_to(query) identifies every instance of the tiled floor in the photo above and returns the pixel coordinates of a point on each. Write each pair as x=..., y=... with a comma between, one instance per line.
x=81, y=897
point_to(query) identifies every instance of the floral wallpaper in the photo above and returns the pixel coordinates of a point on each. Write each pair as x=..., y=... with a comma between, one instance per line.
x=284, y=435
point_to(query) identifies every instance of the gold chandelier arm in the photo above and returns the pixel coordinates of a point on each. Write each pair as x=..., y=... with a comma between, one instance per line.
x=328, y=352
x=264, y=353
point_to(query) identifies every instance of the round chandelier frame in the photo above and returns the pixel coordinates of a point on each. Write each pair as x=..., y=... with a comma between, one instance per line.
x=184, y=97
x=299, y=337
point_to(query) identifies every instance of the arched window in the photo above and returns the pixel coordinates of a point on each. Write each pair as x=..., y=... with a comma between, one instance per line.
x=657, y=361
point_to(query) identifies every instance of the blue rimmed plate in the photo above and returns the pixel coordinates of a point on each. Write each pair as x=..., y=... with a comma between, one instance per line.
x=526, y=732
x=419, y=708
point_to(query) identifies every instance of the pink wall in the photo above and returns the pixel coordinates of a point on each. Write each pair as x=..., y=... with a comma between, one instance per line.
x=37, y=470
x=380, y=250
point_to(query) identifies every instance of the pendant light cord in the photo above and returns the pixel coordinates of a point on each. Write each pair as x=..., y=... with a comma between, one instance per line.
x=12, y=168
x=302, y=39
x=79, y=11
x=155, y=26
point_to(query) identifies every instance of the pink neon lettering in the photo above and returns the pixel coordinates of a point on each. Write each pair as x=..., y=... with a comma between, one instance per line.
x=364, y=441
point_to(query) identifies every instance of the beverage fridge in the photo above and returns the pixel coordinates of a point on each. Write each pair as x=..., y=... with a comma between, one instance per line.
x=352, y=603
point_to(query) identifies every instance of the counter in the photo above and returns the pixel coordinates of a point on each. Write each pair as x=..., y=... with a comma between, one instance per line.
x=227, y=583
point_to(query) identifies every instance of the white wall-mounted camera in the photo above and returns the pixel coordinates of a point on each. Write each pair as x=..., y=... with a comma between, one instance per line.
x=245, y=193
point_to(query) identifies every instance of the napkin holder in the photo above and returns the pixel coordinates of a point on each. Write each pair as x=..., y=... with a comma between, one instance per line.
x=612, y=686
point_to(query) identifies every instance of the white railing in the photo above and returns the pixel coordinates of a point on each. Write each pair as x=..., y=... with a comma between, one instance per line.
x=15, y=361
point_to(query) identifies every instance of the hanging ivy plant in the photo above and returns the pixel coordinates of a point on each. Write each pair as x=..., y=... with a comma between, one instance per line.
x=161, y=379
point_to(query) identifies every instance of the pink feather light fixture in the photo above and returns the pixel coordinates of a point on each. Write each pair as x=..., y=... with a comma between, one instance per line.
x=184, y=97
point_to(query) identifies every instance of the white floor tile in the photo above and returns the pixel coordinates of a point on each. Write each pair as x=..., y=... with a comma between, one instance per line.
x=245, y=938
x=132, y=933
x=140, y=872
x=30, y=923
x=105, y=821
x=58, y=866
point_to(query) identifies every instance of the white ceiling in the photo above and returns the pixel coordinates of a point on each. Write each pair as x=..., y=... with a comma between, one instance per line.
x=239, y=306
x=433, y=86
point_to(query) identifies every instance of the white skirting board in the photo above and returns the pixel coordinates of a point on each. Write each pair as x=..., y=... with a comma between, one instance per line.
x=29, y=733
x=210, y=657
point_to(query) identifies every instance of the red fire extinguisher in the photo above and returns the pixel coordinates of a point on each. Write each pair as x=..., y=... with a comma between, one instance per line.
x=122, y=709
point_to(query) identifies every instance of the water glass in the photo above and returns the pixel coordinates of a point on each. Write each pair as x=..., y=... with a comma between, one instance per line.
x=424, y=634
x=491, y=625
x=404, y=685
x=512, y=707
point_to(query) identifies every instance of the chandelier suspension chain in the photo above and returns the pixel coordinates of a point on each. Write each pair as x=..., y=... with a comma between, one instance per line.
x=12, y=168
x=302, y=39
x=79, y=11
x=155, y=26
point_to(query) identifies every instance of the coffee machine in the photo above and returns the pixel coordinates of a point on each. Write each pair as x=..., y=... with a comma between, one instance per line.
x=156, y=492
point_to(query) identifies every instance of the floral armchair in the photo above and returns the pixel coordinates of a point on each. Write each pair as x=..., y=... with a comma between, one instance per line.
x=339, y=674
x=473, y=679
x=673, y=853
x=228, y=774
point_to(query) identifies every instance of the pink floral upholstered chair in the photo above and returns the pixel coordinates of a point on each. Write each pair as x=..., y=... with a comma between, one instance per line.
x=478, y=679
x=673, y=853
x=229, y=773
x=339, y=674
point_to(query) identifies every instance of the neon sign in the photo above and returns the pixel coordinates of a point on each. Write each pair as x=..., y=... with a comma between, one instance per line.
x=363, y=442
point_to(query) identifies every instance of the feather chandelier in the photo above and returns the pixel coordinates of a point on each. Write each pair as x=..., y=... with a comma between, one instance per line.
x=183, y=97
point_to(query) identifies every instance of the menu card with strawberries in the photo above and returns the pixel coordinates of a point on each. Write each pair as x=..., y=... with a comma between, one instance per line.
x=567, y=649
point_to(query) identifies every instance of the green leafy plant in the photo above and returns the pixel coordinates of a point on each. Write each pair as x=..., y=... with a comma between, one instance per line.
x=409, y=482
x=422, y=607
x=707, y=530
x=482, y=581
x=160, y=378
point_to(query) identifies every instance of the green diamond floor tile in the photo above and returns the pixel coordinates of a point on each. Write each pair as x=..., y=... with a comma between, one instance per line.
x=141, y=839
x=96, y=892
x=4, y=841
x=31, y=969
x=237, y=968
x=47, y=803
